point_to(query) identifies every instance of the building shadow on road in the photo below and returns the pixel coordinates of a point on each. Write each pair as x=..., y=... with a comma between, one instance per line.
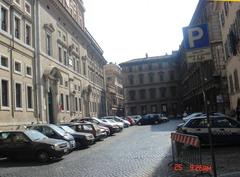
x=7, y=163
x=166, y=126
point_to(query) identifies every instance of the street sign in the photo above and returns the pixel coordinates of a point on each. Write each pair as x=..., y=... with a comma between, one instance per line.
x=196, y=42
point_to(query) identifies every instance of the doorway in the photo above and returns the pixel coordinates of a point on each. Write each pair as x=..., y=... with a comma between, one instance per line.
x=50, y=107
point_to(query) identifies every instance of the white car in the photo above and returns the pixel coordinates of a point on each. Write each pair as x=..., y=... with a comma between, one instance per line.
x=196, y=114
x=120, y=124
x=119, y=119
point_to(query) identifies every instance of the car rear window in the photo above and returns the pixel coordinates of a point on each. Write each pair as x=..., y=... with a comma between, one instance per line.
x=4, y=136
x=197, y=123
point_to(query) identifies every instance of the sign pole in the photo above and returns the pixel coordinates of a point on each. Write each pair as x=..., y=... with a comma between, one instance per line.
x=209, y=122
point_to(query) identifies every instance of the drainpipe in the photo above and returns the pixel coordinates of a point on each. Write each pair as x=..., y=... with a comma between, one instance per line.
x=37, y=67
x=11, y=60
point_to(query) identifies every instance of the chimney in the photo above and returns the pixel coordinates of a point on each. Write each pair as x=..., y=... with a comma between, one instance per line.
x=146, y=55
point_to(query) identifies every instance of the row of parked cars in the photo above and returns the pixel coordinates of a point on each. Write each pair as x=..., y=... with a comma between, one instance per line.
x=225, y=130
x=49, y=141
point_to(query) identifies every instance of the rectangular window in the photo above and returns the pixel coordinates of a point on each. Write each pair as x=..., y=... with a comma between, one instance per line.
x=74, y=63
x=66, y=83
x=28, y=34
x=80, y=104
x=142, y=93
x=131, y=79
x=132, y=95
x=4, y=19
x=27, y=8
x=4, y=62
x=152, y=93
x=67, y=102
x=29, y=97
x=62, y=101
x=161, y=76
x=5, y=93
x=130, y=68
x=29, y=71
x=60, y=54
x=17, y=27
x=173, y=91
x=18, y=67
x=78, y=66
x=76, y=104
x=141, y=80
x=65, y=57
x=171, y=73
x=163, y=92
x=144, y=109
x=236, y=81
x=151, y=77
x=18, y=95
x=133, y=110
x=48, y=44
x=154, y=108
x=84, y=68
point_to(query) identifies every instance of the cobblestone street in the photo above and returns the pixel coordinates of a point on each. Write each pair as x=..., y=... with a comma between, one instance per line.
x=139, y=151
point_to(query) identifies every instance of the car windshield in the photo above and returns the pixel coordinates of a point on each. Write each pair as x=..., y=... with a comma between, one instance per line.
x=97, y=119
x=67, y=129
x=58, y=130
x=35, y=135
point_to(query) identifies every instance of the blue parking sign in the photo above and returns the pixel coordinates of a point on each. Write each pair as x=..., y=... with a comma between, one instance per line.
x=196, y=37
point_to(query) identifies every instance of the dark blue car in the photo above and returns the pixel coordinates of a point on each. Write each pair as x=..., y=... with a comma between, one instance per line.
x=149, y=119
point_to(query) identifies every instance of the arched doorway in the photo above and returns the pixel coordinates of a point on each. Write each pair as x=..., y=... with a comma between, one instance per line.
x=52, y=76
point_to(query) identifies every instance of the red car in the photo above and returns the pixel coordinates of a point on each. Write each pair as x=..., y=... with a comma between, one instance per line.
x=131, y=120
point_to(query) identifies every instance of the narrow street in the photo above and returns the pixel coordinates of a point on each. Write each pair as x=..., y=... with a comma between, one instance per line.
x=138, y=151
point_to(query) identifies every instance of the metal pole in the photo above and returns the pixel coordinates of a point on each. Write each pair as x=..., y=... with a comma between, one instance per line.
x=209, y=123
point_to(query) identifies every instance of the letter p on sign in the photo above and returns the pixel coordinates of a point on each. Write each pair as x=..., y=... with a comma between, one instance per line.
x=196, y=37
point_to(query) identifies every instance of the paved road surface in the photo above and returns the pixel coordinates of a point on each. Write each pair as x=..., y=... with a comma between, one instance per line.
x=139, y=151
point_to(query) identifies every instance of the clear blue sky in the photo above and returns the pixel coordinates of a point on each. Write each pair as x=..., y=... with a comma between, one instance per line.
x=128, y=29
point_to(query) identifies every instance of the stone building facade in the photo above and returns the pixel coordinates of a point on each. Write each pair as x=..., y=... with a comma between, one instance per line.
x=150, y=85
x=51, y=66
x=114, y=89
x=230, y=27
x=210, y=75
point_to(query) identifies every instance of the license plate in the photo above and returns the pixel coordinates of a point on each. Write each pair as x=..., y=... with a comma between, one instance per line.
x=65, y=150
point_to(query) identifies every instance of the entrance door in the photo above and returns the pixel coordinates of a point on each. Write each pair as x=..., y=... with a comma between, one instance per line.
x=50, y=107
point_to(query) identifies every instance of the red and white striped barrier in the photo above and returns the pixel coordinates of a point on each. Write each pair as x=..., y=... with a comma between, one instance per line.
x=186, y=139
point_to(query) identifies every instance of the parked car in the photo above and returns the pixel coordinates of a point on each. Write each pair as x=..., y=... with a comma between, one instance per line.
x=163, y=117
x=31, y=144
x=89, y=128
x=149, y=119
x=130, y=120
x=53, y=131
x=224, y=129
x=113, y=128
x=195, y=114
x=136, y=117
x=81, y=139
x=118, y=119
x=119, y=124
x=104, y=129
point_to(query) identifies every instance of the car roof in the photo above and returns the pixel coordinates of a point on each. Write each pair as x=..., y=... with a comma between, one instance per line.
x=16, y=131
x=204, y=117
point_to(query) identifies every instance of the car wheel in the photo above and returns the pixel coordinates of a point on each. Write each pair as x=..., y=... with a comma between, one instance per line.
x=139, y=123
x=156, y=122
x=42, y=156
